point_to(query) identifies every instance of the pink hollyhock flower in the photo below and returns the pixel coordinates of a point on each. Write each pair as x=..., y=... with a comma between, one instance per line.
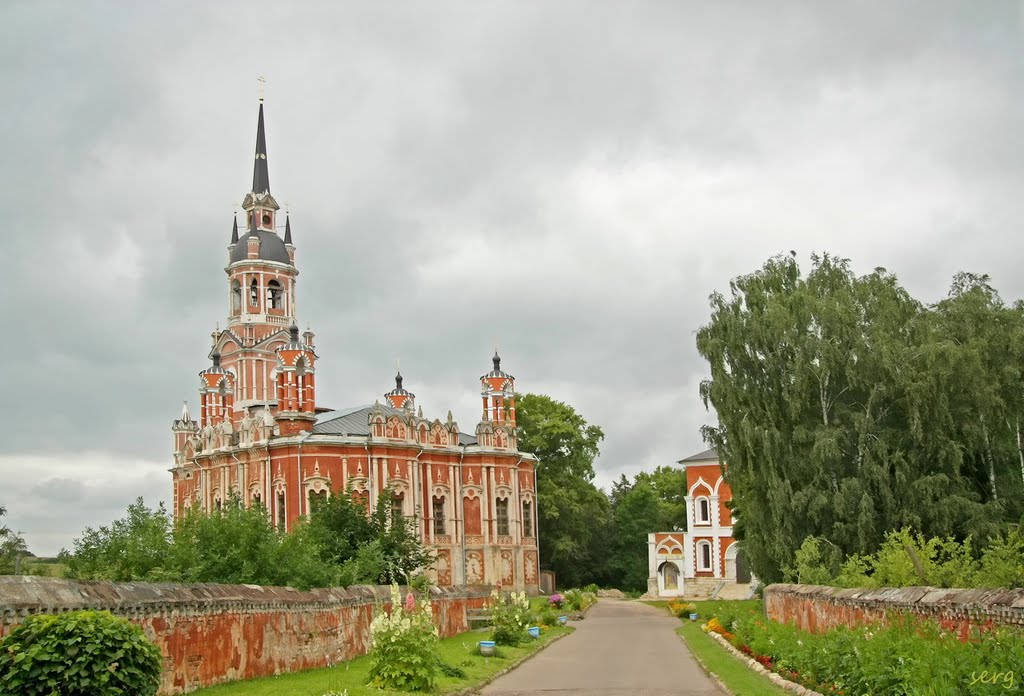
x=410, y=602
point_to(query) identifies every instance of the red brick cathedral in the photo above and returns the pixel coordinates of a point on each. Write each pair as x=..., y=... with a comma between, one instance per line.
x=262, y=437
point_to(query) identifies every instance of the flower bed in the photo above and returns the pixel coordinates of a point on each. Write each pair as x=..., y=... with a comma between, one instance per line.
x=907, y=656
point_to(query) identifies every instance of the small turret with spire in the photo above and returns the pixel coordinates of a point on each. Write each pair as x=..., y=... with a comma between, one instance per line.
x=183, y=428
x=399, y=397
x=296, y=385
x=498, y=391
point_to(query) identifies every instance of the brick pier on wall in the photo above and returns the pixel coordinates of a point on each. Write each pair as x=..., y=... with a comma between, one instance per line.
x=819, y=608
x=210, y=634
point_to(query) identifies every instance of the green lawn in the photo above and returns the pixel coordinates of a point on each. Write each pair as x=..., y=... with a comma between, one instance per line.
x=739, y=678
x=459, y=651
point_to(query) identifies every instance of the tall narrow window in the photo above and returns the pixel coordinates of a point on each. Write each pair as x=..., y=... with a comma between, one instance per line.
x=438, y=513
x=280, y=511
x=254, y=294
x=527, y=519
x=396, y=507
x=256, y=500
x=236, y=297
x=704, y=555
x=275, y=297
x=703, y=511
x=501, y=509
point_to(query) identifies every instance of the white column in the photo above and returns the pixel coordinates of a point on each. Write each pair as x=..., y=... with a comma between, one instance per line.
x=429, y=515
x=449, y=510
x=517, y=513
x=491, y=506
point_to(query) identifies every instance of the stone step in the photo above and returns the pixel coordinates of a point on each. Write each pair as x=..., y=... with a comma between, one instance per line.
x=734, y=591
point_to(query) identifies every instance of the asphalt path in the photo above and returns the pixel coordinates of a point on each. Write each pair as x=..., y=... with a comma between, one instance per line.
x=621, y=648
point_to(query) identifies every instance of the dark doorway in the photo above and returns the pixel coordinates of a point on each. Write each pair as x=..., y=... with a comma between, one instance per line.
x=742, y=571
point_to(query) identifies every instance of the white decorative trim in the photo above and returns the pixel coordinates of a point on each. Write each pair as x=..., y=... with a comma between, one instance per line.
x=699, y=482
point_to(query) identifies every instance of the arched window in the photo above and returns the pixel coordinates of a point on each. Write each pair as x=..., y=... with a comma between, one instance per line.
x=437, y=512
x=501, y=511
x=703, y=555
x=397, y=511
x=702, y=510
x=275, y=295
x=281, y=516
x=236, y=297
x=316, y=500
x=254, y=294
x=527, y=519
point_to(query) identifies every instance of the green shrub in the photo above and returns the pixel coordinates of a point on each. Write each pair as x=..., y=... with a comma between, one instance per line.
x=1002, y=564
x=573, y=600
x=907, y=656
x=80, y=653
x=405, y=655
x=906, y=558
x=511, y=617
x=547, y=617
x=591, y=589
x=815, y=562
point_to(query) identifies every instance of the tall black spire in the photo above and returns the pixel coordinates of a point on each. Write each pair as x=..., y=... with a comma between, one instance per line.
x=260, y=175
x=234, y=231
x=287, y=229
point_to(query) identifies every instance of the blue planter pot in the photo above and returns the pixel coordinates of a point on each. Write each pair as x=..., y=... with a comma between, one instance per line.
x=693, y=617
x=487, y=648
x=562, y=620
x=534, y=631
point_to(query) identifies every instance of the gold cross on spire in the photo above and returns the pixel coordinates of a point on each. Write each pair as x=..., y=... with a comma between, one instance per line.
x=263, y=83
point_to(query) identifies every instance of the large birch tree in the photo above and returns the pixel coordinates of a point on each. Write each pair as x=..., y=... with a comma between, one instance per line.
x=846, y=408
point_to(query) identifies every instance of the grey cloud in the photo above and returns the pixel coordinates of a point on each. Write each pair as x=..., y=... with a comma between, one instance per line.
x=59, y=490
x=571, y=180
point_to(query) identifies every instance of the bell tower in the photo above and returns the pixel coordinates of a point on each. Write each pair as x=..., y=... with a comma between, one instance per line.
x=261, y=277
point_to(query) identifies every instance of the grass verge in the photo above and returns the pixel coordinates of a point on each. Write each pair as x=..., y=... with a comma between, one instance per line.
x=459, y=651
x=736, y=676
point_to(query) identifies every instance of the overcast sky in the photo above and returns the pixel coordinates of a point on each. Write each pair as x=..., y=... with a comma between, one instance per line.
x=570, y=180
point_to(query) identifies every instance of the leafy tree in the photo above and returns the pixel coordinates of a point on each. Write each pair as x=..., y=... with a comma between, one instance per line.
x=1002, y=563
x=669, y=484
x=341, y=527
x=637, y=510
x=135, y=547
x=571, y=510
x=846, y=408
x=11, y=546
x=298, y=561
x=816, y=562
x=231, y=545
x=236, y=544
x=401, y=552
